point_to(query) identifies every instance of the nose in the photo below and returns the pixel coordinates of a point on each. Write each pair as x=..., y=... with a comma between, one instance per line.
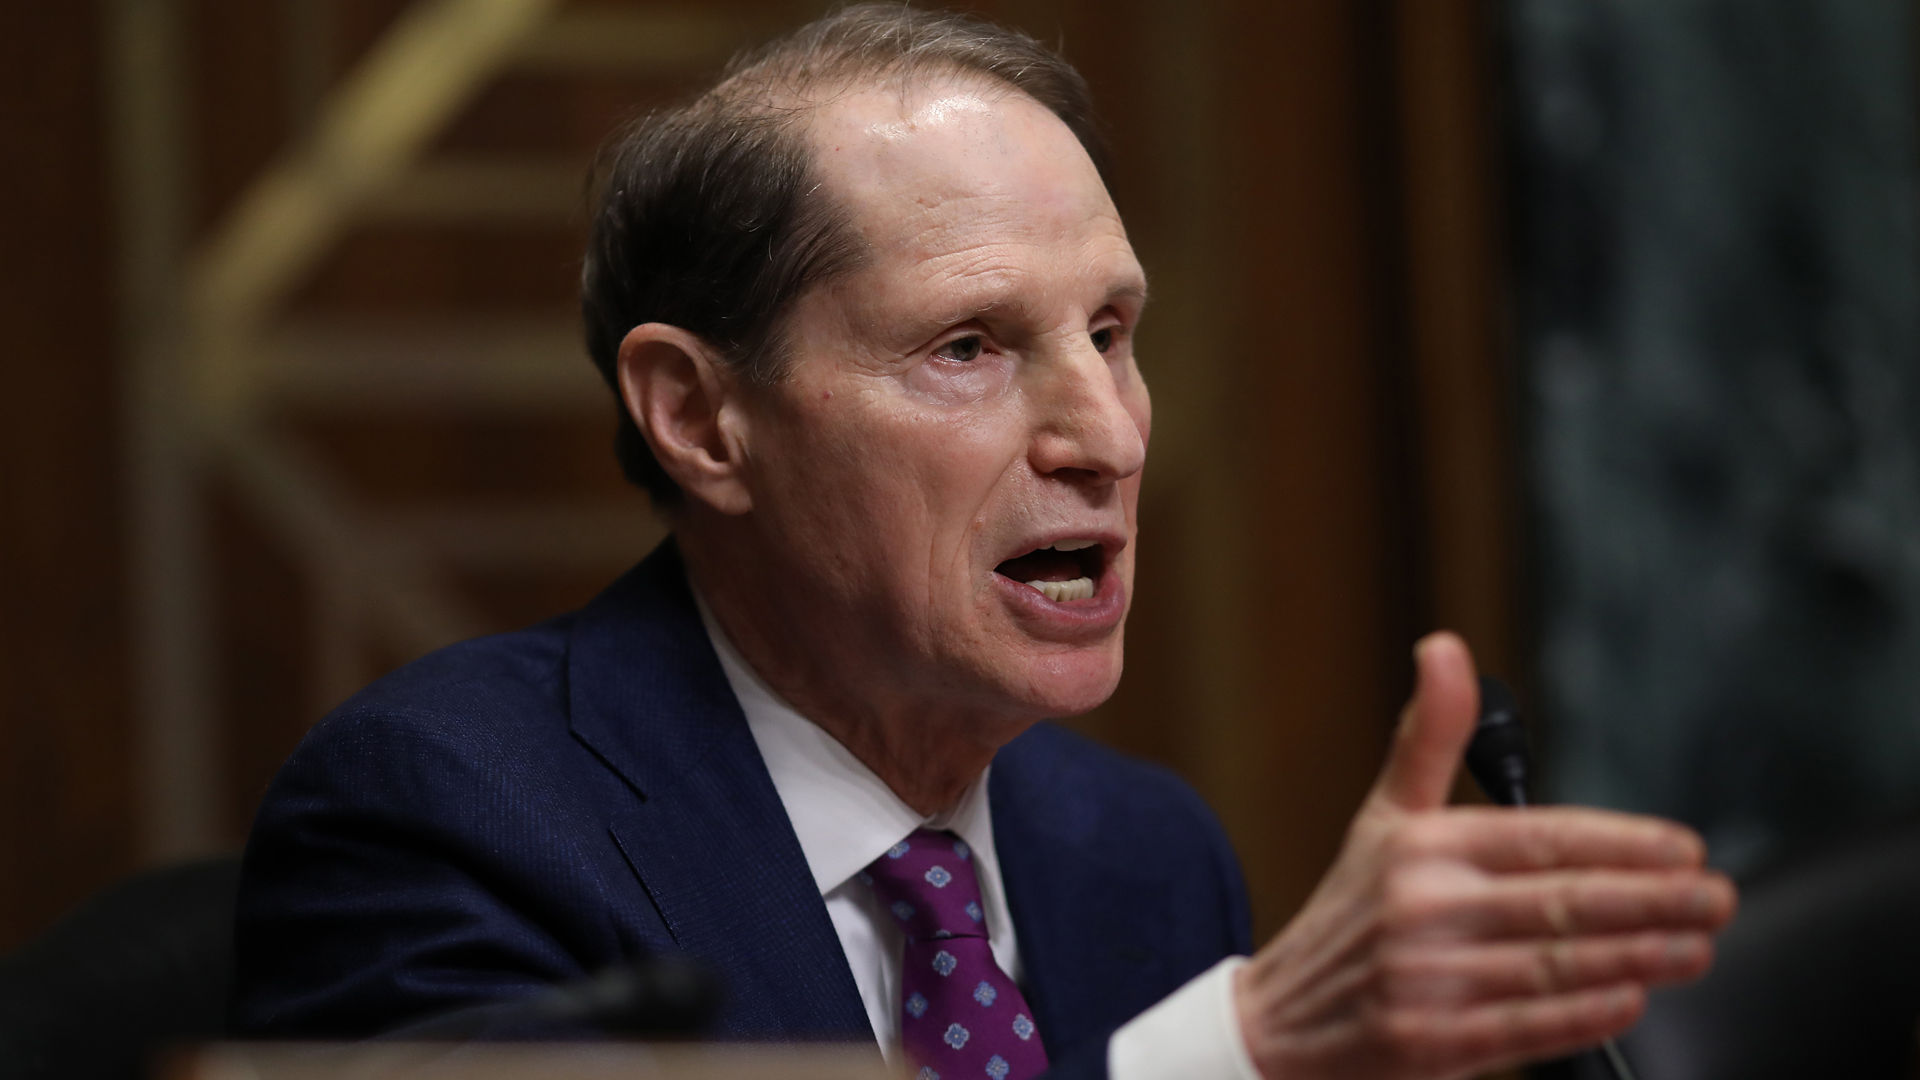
x=1084, y=430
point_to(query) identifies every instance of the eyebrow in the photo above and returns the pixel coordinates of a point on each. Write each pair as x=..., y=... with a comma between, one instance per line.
x=1135, y=291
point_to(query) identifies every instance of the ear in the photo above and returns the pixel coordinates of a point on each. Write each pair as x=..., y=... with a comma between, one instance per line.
x=687, y=405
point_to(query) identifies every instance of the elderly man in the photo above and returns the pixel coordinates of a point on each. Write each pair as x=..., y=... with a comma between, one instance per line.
x=870, y=313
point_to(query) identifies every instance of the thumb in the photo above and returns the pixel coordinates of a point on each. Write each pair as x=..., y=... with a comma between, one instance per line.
x=1434, y=727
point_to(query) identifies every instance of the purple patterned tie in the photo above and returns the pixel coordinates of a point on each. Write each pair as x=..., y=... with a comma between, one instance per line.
x=963, y=1019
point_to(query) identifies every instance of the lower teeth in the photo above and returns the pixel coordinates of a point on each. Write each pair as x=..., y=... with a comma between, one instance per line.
x=1080, y=588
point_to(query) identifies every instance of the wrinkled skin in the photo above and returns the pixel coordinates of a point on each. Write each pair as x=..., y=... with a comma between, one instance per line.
x=969, y=393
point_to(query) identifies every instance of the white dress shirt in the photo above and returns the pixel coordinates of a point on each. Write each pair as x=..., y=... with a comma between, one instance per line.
x=846, y=817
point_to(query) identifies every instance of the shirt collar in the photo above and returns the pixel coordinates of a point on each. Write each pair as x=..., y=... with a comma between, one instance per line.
x=844, y=815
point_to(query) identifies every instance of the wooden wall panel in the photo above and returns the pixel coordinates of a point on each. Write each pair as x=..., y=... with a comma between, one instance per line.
x=264, y=617
x=1312, y=444
x=65, y=780
x=1456, y=307
x=238, y=97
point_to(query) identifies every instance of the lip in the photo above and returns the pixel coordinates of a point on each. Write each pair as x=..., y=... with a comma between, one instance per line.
x=1071, y=619
x=1111, y=543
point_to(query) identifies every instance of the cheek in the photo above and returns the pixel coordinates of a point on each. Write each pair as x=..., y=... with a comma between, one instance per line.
x=870, y=472
x=895, y=439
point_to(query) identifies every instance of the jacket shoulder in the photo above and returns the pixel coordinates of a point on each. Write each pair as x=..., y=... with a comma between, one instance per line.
x=1098, y=848
x=1089, y=780
x=482, y=678
x=1072, y=793
x=437, y=840
x=475, y=729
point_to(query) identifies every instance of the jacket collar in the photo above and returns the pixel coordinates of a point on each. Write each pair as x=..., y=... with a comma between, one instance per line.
x=645, y=691
x=707, y=834
x=711, y=844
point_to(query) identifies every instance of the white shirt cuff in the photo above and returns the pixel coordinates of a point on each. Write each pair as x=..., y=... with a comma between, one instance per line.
x=1194, y=1034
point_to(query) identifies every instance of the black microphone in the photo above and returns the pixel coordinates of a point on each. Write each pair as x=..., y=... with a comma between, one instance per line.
x=1498, y=757
x=661, y=997
x=1501, y=764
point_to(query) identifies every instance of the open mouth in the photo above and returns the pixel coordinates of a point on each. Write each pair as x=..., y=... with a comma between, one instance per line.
x=1063, y=571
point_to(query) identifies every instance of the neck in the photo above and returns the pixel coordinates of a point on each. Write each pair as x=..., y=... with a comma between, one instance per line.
x=926, y=749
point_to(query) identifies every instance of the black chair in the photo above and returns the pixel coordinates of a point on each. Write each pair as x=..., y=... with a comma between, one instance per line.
x=1819, y=975
x=144, y=964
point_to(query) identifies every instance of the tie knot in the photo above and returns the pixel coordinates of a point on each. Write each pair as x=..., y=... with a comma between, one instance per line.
x=927, y=881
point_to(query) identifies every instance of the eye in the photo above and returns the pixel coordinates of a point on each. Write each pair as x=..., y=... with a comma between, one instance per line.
x=960, y=349
x=1103, y=338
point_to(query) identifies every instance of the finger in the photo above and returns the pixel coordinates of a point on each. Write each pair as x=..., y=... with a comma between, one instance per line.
x=1449, y=1041
x=1435, y=726
x=1560, y=903
x=1551, y=838
x=1461, y=973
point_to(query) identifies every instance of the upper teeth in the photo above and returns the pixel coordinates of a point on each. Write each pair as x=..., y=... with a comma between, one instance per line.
x=1080, y=588
x=1071, y=545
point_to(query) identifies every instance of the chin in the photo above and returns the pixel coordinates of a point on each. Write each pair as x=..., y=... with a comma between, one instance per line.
x=1058, y=685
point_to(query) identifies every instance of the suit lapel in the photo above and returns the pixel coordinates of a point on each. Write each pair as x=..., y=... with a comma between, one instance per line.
x=707, y=834
x=1090, y=923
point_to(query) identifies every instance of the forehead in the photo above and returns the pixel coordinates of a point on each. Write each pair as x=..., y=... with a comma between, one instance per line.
x=956, y=164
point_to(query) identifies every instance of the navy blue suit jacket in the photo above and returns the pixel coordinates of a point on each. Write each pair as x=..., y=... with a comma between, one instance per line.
x=527, y=809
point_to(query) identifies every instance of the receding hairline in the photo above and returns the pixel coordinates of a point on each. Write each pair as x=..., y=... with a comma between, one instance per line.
x=798, y=102
x=914, y=94
x=798, y=108
x=787, y=69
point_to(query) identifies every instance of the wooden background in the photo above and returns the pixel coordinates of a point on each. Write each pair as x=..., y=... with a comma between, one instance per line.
x=1309, y=182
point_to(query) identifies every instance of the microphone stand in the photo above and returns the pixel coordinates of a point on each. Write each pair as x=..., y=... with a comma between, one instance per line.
x=1499, y=760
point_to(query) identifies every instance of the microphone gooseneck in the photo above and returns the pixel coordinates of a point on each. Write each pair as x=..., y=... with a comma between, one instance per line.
x=1501, y=763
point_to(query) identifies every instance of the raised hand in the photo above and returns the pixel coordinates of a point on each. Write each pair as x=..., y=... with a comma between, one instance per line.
x=1446, y=941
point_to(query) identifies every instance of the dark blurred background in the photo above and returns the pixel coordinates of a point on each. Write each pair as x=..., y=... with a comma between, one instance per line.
x=1584, y=327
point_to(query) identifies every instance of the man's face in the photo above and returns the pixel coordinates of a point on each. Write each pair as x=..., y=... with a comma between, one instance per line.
x=963, y=414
